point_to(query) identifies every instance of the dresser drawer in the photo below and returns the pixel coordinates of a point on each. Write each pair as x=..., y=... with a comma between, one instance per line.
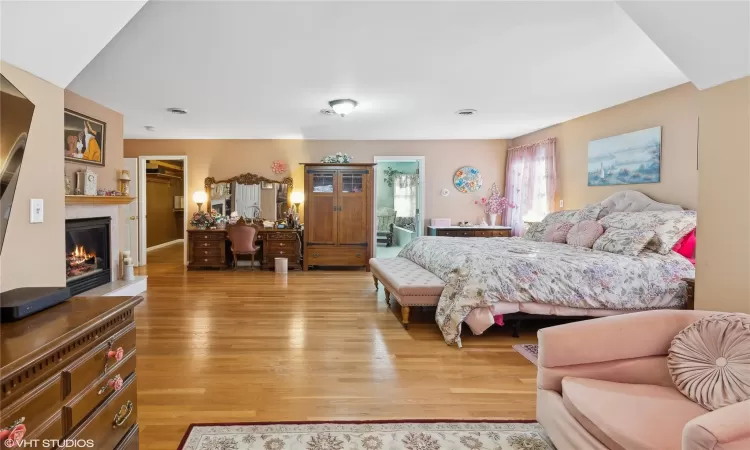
x=199, y=237
x=285, y=246
x=36, y=407
x=52, y=429
x=464, y=233
x=210, y=260
x=337, y=256
x=207, y=245
x=130, y=441
x=280, y=236
x=96, y=363
x=113, y=419
x=80, y=407
x=492, y=233
x=202, y=252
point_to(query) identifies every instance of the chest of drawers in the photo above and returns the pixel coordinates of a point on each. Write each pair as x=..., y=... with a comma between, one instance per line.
x=470, y=231
x=207, y=249
x=70, y=373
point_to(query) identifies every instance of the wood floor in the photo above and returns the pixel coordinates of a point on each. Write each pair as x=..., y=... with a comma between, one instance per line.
x=253, y=346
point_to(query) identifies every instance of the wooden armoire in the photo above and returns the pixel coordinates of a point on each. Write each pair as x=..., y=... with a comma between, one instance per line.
x=338, y=215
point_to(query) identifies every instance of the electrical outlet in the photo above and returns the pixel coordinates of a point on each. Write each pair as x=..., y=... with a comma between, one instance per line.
x=561, y=203
x=37, y=210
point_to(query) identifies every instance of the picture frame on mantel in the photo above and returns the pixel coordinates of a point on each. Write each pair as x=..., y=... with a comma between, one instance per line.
x=84, y=139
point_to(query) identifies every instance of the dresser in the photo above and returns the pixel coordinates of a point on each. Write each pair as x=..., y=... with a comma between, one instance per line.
x=338, y=215
x=476, y=231
x=210, y=249
x=69, y=372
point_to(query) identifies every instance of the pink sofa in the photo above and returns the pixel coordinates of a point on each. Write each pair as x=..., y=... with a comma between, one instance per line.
x=604, y=384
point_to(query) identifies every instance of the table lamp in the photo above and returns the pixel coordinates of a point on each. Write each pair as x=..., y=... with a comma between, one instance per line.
x=200, y=198
x=297, y=198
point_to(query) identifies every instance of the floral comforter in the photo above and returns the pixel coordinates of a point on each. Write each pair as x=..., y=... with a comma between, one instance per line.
x=481, y=272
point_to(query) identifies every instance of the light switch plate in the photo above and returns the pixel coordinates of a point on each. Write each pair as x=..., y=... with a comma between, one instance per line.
x=561, y=203
x=37, y=210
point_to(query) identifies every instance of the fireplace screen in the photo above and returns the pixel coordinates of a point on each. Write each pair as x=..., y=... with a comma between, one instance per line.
x=87, y=253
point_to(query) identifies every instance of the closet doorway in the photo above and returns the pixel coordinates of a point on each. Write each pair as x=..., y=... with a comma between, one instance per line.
x=162, y=197
x=399, y=202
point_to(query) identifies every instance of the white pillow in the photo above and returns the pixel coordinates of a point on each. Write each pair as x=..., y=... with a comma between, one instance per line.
x=668, y=226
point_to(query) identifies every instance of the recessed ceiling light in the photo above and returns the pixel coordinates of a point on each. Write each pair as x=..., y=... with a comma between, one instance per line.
x=177, y=110
x=466, y=112
x=149, y=127
x=328, y=112
x=343, y=106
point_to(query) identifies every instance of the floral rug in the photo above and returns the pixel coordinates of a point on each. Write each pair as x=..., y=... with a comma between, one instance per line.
x=528, y=351
x=414, y=435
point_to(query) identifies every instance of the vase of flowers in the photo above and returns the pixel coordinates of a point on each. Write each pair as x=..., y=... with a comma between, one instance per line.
x=202, y=220
x=338, y=158
x=495, y=204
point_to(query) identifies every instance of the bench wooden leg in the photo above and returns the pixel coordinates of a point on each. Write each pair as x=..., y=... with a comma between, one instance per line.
x=375, y=280
x=387, y=297
x=405, y=310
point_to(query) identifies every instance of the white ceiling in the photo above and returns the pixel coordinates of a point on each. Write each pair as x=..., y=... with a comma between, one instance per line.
x=708, y=40
x=265, y=69
x=55, y=40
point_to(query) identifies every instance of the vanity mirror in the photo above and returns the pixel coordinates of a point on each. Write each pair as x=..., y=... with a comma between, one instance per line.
x=251, y=196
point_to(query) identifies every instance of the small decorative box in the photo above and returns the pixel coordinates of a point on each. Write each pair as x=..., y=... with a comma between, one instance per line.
x=440, y=222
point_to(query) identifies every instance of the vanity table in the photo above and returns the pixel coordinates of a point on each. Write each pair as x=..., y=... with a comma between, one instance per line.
x=209, y=249
x=258, y=199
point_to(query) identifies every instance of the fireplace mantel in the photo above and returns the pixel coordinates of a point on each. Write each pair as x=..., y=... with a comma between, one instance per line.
x=97, y=200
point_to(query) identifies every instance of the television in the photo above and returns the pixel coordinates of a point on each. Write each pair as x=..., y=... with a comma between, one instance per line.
x=16, y=112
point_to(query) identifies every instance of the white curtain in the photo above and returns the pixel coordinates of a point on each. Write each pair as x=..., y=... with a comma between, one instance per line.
x=247, y=199
x=405, y=195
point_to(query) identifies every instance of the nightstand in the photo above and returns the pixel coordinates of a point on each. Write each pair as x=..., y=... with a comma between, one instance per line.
x=690, y=292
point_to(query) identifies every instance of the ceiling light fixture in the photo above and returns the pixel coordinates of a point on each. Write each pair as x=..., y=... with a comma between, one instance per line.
x=343, y=106
x=466, y=112
x=177, y=111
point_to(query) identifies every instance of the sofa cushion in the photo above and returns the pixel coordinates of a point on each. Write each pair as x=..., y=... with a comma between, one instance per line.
x=629, y=416
x=710, y=360
x=406, y=278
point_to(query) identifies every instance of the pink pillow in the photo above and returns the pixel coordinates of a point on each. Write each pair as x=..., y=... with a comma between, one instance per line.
x=585, y=233
x=686, y=246
x=558, y=232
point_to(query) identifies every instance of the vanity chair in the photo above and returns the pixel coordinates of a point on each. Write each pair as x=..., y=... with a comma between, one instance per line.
x=243, y=236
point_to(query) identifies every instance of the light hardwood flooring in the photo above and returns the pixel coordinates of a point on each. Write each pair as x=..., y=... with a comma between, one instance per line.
x=235, y=346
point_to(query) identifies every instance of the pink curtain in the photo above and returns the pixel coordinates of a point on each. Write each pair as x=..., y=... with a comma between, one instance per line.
x=530, y=182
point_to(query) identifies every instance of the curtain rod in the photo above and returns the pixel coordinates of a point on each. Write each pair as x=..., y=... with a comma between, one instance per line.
x=543, y=141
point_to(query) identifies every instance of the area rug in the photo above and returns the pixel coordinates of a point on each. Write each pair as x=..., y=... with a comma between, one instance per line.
x=377, y=435
x=528, y=351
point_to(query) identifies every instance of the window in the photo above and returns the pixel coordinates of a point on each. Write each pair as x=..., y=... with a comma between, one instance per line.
x=405, y=195
x=530, y=183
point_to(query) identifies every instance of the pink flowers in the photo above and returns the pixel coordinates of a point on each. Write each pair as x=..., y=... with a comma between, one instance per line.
x=13, y=437
x=116, y=354
x=495, y=204
x=115, y=383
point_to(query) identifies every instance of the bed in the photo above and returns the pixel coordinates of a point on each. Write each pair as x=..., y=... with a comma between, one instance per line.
x=489, y=277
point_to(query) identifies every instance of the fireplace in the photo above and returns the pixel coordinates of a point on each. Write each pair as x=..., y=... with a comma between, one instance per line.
x=87, y=253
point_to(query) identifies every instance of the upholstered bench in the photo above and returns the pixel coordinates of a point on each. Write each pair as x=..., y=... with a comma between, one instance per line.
x=410, y=284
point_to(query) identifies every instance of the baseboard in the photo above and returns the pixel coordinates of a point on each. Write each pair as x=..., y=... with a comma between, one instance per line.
x=165, y=244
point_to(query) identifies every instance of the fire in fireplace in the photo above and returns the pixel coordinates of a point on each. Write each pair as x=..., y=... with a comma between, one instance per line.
x=87, y=253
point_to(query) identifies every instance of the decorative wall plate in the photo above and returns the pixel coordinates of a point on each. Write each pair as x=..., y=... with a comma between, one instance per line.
x=467, y=179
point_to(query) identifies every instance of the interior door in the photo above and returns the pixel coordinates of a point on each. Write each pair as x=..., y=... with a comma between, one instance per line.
x=352, y=207
x=131, y=164
x=320, y=225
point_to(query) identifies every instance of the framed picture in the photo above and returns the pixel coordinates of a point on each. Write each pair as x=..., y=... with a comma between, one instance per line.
x=84, y=138
x=266, y=185
x=630, y=158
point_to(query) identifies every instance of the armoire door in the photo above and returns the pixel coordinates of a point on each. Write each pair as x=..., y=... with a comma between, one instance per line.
x=352, y=207
x=320, y=225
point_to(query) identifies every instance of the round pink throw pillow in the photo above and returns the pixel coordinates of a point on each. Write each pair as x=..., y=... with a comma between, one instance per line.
x=709, y=361
x=558, y=232
x=585, y=233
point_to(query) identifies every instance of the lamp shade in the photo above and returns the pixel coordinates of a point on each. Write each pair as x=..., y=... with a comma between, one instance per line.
x=125, y=175
x=200, y=196
x=298, y=197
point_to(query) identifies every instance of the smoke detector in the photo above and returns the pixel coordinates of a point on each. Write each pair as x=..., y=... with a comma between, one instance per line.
x=179, y=111
x=466, y=112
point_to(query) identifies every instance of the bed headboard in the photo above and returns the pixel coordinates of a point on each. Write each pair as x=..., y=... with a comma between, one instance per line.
x=633, y=201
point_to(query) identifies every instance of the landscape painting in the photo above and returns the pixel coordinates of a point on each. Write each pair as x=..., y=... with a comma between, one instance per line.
x=630, y=158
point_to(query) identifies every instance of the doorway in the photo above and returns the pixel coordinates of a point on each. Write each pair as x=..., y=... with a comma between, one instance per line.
x=399, y=202
x=162, y=224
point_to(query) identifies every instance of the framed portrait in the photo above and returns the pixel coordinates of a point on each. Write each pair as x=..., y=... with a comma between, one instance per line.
x=84, y=138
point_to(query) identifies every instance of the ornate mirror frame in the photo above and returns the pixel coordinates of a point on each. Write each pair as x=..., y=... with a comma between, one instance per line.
x=249, y=178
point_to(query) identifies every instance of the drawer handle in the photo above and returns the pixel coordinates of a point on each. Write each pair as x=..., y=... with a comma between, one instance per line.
x=114, y=383
x=116, y=354
x=13, y=433
x=359, y=255
x=205, y=244
x=281, y=252
x=205, y=252
x=316, y=255
x=205, y=260
x=122, y=415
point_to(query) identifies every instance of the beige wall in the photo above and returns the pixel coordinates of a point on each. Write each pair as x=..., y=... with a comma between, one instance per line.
x=32, y=254
x=723, y=253
x=226, y=158
x=675, y=110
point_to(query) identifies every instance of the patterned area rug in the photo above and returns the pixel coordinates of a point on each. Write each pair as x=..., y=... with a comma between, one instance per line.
x=412, y=435
x=528, y=351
